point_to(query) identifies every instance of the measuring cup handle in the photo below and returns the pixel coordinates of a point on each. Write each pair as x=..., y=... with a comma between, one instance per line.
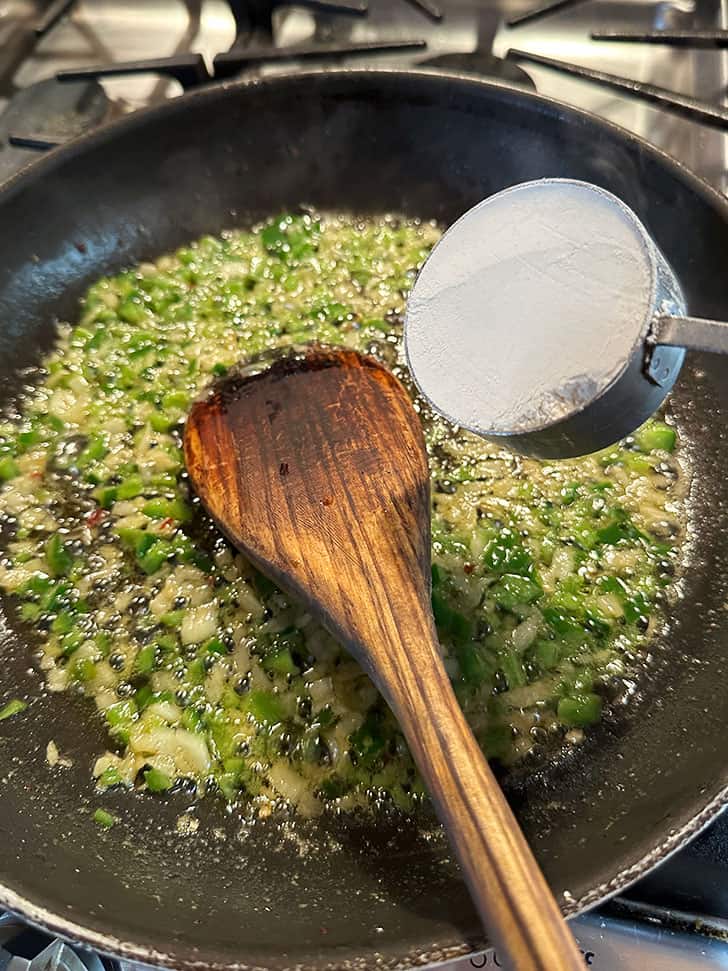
x=692, y=333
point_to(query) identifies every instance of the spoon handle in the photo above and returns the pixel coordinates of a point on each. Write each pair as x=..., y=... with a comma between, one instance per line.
x=515, y=904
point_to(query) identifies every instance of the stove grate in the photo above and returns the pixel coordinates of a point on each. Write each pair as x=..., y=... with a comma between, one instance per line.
x=680, y=104
x=189, y=69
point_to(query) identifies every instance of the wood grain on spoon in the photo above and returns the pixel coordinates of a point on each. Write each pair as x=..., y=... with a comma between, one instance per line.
x=316, y=469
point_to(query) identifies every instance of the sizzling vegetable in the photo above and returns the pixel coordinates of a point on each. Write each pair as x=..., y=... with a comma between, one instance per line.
x=547, y=577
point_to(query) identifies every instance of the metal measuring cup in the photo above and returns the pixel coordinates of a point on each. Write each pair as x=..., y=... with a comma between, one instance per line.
x=547, y=318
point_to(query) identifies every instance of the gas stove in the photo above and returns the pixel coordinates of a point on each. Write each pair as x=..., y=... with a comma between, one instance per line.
x=66, y=67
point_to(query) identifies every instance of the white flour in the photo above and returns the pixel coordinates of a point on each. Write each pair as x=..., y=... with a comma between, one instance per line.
x=529, y=306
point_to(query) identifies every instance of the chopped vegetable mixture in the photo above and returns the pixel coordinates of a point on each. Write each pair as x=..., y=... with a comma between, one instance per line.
x=547, y=578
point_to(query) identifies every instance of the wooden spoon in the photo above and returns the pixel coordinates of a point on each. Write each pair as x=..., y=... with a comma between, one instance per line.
x=316, y=469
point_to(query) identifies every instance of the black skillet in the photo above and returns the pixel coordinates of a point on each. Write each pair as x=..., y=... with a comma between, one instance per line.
x=348, y=893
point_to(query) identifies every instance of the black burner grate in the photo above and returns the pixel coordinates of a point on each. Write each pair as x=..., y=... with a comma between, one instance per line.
x=694, y=109
x=254, y=46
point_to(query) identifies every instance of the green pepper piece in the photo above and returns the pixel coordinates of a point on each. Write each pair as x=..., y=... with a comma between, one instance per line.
x=28, y=438
x=569, y=493
x=59, y=559
x=331, y=312
x=135, y=540
x=280, y=662
x=290, y=238
x=546, y=655
x=55, y=597
x=474, y=666
x=154, y=556
x=8, y=468
x=176, y=400
x=561, y=620
x=64, y=622
x=166, y=643
x=106, y=496
x=636, y=609
x=656, y=435
x=615, y=532
x=144, y=696
x=230, y=785
x=192, y=720
x=513, y=670
x=196, y=671
x=265, y=707
x=13, y=707
x=157, y=781
x=130, y=488
x=638, y=463
x=507, y=554
x=173, y=618
x=215, y=646
x=451, y=623
x=512, y=591
x=161, y=423
x=31, y=612
x=595, y=622
x=223, y=734
x=376, y=323
x=131, y=311
x=151, y=551
x=94, y=451
x=109, y=777
x=146, y=660
x=610, y=584
x=161, y=508
x=120, y=717
x=83, y=670
x=183, y=548
x=97, y=339
x=367, y=742
x=104, y=818
x=72, y=641
x=37, y=585
x=580, y=710
x=234, y=764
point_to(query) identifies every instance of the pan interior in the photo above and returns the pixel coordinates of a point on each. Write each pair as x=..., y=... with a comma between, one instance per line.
x=343, y=891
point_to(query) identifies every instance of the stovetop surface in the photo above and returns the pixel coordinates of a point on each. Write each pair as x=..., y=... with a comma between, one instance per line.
x=105, y=31
x=692, y=886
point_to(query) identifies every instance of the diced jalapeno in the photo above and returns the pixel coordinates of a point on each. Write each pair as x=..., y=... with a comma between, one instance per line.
x=656, y=435
x=104, y=819
x=59, y=558
x=580, y=710
x=8, y=468
x=265, y=707
x=13, y=707
x=167, y=509
x=157, y=781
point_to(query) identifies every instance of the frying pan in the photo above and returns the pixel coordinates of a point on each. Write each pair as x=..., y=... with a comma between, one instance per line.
x=348, y=892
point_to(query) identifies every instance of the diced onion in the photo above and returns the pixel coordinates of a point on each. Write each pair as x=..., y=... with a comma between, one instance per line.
x=199, y=624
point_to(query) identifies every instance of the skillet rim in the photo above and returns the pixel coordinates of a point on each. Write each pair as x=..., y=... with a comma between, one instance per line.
x=43, y=918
